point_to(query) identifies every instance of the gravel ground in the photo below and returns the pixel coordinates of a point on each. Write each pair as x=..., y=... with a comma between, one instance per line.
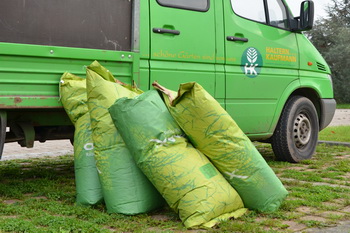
x=341, y=117
x=50, y=148
x=63, y=147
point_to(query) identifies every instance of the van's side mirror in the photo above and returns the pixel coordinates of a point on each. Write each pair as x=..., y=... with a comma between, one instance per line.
x=305, y=21
x=307, y=13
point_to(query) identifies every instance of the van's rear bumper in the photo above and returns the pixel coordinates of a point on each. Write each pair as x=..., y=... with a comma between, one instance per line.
x=328, y=107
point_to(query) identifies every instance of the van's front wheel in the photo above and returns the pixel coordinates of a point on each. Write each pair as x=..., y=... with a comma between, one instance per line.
x=296, y=134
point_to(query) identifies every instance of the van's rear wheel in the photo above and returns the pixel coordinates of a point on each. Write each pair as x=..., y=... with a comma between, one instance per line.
x=296, y=134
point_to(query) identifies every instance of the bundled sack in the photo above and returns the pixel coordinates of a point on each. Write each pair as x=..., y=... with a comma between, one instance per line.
x=212, y=131
x=125, y=188
x=190, y=184
x=74, y=100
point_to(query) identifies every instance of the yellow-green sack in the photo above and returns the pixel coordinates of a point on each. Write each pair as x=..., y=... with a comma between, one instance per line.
x=74, y=100
x=190, y=184
x=212, y=131
x=125, y=188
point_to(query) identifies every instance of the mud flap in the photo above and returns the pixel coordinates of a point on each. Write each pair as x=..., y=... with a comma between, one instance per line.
x=29, y=134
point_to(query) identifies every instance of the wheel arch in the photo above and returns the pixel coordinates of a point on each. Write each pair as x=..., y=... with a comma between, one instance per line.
x=309, y=93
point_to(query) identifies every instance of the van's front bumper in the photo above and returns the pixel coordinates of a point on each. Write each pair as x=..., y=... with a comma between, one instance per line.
x=328, y=107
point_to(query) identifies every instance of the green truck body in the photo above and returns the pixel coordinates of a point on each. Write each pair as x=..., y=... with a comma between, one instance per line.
x=252, y=57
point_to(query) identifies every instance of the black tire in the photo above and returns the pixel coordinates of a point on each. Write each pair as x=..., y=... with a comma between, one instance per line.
x=296, y=135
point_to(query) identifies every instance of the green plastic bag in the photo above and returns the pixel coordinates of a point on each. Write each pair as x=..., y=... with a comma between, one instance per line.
x=213, y=132
x=125, y=188
x=190, y=184
x=74, y=100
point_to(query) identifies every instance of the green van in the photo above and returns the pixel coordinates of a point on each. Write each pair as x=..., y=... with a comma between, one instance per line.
x=249, y=54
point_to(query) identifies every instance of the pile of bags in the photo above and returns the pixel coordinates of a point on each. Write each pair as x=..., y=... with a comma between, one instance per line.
x=138, y=150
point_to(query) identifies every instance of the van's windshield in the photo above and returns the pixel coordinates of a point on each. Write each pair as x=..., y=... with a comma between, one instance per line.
x=294, y=6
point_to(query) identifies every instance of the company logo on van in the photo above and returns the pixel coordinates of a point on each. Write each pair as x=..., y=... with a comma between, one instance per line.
x=251, y=62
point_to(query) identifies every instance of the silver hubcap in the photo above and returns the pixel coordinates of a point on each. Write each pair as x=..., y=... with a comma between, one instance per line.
x=301, y=131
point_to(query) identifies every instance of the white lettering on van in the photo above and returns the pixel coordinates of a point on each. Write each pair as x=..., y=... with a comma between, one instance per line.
x=252, y=57
x=250, y=69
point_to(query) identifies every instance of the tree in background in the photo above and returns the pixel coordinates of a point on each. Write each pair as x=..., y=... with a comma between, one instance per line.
x=331, y=36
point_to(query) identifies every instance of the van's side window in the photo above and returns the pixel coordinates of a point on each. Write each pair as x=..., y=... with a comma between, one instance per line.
x=252, y=9
x=196, y=5
x=277, y=13
x=255, y=10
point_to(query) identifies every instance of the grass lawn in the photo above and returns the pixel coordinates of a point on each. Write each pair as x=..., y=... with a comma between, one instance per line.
x=343, y=106
x=38, y=195
x=335, y=133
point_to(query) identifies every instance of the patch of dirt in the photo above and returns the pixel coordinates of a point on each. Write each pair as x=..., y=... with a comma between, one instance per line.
x=346, y=176
x=60, y=169
x=26, y=168
x=294, y=226
x=339, y=201
x=327, y=214
x=161, y=217
x=296, y=168
x=154, y=229
x=343, y=157
x=260, y=219
x=346, y=209
x=330, y=180
x=112, y=229
x=309, y=170
x=330, y=185
x=25, y=164
x=40, y=198
x=313, y=218
x=305, y=209
x=342, y=227
x=13, y=201
x=194, y=231
x=10, y=216
x=332, y=204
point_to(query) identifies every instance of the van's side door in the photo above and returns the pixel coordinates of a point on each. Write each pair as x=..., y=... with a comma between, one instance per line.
x=182, y=43
x=261, y=61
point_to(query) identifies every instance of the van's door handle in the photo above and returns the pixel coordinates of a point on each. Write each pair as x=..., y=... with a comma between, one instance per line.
x=163, y=30
x=234, y=38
